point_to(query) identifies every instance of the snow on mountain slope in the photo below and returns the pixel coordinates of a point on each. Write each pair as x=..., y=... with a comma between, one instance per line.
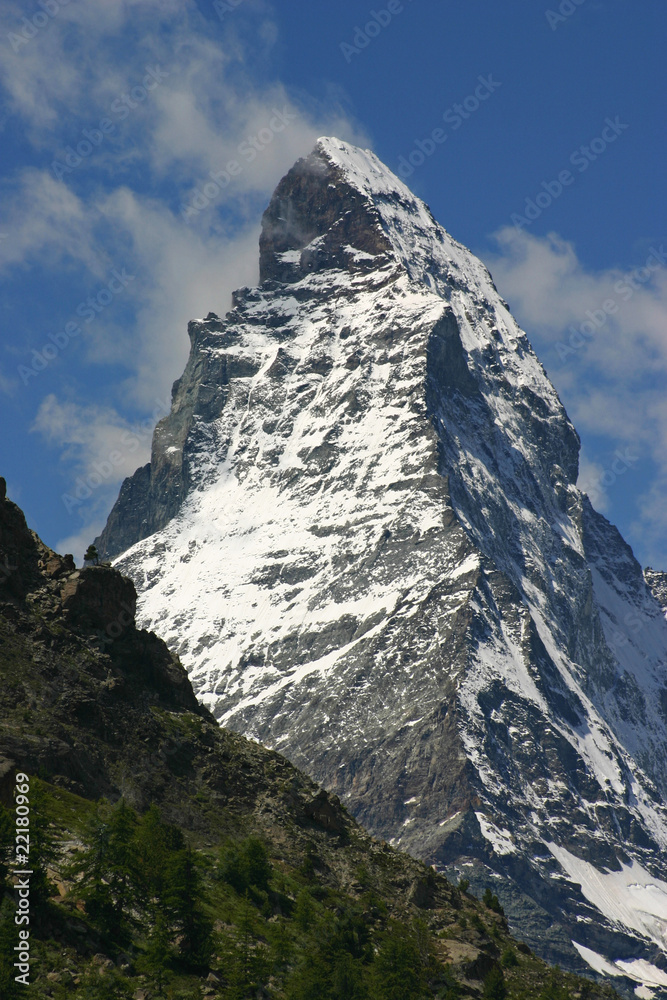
x=360, y=530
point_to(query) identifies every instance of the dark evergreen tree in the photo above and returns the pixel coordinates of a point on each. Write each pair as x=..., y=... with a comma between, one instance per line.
x=91, y=556
x=43, y=849
x=310, y=979
x=184, y=902
x=491, y=900
x=398, y=972
x=155, y=842
x=304, y=912
x=346, y=979
x=108, y=870
x=247, y=964
x=246, y=865
x=282, y=948
x=494, y=985
x=156, y=959
x=509, y=959
x=348, y=932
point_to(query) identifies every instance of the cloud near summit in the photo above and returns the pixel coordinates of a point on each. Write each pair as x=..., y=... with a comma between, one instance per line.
x=132, y=111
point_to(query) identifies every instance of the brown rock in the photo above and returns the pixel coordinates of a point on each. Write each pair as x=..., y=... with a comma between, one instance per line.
x=100, y=597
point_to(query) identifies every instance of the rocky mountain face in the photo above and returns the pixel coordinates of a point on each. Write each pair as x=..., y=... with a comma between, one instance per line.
x=361, y=531
x=657, y=583
x=96, y=707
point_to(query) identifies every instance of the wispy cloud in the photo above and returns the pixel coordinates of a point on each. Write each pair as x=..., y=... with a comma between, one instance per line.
x=602, y=336
x=120, y=203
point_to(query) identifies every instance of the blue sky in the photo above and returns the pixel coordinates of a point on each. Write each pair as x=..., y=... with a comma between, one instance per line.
x=549, y=163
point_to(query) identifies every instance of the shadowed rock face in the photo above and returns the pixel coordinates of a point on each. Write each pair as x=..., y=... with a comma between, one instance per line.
x=99, y=596
x=382, y=566
x=20, y=550
x=134, y=516
x=71, y=654
x=315, y=222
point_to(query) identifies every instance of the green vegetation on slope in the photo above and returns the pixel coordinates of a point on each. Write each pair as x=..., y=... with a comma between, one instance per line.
x=173, y=858
x=141, y=908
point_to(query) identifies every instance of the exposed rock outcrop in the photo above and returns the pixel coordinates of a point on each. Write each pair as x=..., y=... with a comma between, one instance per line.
x=381, y=563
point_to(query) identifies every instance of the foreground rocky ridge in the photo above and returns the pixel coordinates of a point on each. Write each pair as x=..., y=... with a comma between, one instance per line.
x=98, y=707
x=369, y=548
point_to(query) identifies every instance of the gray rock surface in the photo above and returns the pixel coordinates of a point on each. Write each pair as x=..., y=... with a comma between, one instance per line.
x=361, y=532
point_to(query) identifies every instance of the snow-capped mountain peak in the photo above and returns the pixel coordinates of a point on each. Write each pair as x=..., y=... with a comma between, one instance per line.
x=360, y=529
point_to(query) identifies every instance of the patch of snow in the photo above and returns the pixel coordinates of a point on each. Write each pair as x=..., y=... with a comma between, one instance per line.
x=293, y=611
x=631, y=897
x=643, y=971
x=597, y=962
x=638, y=969
x=469, y=565
x=501, y=840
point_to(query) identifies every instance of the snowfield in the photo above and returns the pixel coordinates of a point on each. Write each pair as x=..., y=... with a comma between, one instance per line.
x=381, y=565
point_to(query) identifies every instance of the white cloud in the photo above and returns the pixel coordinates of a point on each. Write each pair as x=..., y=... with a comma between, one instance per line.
x=651, y=524
x=91, y=435
x=78, y=541
x=47, y=221
x=98, y=449
x=590, y=481
x=121, y=206
x=553, y=291
x=602, y=336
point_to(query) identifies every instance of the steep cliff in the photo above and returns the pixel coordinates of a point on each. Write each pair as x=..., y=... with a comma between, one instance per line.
x=372, y=554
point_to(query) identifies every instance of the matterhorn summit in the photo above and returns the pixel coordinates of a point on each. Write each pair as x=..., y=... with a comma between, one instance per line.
x=361, y=532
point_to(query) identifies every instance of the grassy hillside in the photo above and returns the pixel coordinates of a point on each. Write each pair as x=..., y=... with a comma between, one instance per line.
x=173, y=858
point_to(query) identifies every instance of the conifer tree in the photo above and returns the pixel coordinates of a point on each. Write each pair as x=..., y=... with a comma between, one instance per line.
x=243, y=967
x=155, y=961
x=43, y=849
x=184, y=900
x=398, y=972
x=107, y=865
x=494, y=985
x=246, y=865
x=155, y=841
x=92, y=556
